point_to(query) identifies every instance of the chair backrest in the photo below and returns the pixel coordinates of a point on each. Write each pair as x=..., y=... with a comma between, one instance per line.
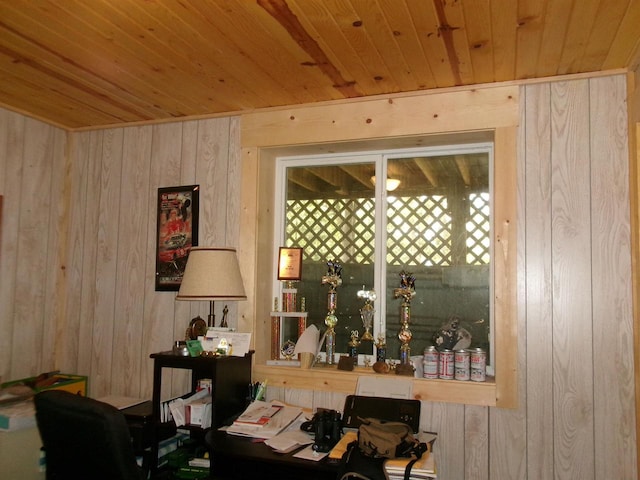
x=84, y=438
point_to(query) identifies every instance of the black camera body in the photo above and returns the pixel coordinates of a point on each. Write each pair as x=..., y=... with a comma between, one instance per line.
x=327, y=428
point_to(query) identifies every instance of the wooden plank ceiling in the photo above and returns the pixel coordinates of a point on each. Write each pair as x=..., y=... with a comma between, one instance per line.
x=93, y=63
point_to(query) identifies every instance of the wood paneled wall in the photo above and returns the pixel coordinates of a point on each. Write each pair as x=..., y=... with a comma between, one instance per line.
x=77, y=256
x=77, y=262
x=576, y=414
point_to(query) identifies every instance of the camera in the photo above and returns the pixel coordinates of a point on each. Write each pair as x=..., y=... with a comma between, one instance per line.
x=327, y=428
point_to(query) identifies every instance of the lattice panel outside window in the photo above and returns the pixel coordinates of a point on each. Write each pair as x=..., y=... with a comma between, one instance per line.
x=478, y=229
x=342, y=229
x=418, y=230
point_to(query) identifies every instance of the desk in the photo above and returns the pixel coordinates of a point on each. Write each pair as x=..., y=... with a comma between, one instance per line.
x=240, y=458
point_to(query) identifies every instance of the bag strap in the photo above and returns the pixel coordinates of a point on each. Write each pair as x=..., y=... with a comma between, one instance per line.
x=418, y=450
x=407, y=470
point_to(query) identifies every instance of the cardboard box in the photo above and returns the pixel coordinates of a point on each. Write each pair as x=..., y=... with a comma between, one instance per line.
x=59, y=381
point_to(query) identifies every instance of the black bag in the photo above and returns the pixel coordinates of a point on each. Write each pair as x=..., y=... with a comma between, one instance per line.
x=355, y=465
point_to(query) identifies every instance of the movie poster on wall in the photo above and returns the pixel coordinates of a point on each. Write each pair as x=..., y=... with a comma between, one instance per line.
x=177, y=232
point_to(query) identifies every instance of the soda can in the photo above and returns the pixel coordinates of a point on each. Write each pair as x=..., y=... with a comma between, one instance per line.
x=462, y=365
x=446, y=369
x=430, y=362
x=478, y=360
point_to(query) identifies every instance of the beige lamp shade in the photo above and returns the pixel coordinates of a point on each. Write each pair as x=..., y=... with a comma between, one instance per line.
x=212, y=273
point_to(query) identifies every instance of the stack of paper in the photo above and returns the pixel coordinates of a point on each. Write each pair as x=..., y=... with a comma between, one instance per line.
x=260, y=415
x=423, y=469
x=264, y=420
x=193, y=410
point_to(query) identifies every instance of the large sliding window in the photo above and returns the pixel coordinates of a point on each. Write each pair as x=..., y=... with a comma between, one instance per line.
x=430, y=216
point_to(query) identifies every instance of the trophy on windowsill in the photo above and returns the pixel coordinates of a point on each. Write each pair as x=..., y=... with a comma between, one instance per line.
x=406, y=292
x=366, y=312
x=333, y=279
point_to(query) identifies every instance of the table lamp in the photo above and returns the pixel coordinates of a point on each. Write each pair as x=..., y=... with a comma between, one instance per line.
x=212, y=273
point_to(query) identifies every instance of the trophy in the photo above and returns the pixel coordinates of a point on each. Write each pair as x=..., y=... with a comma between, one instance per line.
x=353, y=346
x=366, y=312
x=406, y=291
x=333, y=279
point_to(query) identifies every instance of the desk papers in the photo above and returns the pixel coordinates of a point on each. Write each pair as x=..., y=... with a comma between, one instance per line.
x=285, y=416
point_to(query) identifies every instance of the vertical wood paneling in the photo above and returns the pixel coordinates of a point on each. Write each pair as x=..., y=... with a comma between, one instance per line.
x=448, y=420
x=72, y=348
x=159, y=308
x=476, y=443
x=575, y=417
x=13, y=136
x=571, y=256
x=131, y=256
x=106, y=239
x=185, y=311
x=57, y=226
x=536, y=227
x=33, y=209
x=88, y=201
x=613, y=375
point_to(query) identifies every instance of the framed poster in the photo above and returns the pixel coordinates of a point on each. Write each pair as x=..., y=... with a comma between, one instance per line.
x=290, y=263
x=176, y=233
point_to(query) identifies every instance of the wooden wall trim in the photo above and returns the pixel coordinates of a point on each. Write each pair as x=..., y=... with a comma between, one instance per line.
x=267, y=134
x=634, y=205
x=468, y=110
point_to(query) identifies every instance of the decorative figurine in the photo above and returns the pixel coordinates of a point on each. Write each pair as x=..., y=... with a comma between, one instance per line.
x=406, y=292
x=452, y=336
x=223, y=322
x=366, y=312
x=333, y=279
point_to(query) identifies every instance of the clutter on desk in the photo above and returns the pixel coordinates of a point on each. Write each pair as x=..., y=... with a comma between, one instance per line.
x=353, y=459
x=257, y=390
x=326, y=425
x=289, y=440
x=276, y=424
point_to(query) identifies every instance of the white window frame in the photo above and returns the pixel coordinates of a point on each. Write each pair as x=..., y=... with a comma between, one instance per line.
x=380, y=159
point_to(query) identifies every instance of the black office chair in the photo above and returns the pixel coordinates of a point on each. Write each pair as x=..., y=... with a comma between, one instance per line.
x=85, y=439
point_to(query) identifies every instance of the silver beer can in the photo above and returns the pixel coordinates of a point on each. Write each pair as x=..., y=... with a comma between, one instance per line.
x=462, y=365
x=430, y=362
x=446, y=364
x=478, y=360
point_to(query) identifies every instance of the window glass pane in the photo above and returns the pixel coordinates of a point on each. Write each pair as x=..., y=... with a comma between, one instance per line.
x=436, y=226
x=438, y=229
x=330, y=213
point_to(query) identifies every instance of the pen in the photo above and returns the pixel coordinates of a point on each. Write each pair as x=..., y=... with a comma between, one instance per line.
x=261, y=389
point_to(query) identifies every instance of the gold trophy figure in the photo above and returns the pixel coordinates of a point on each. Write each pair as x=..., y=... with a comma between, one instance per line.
x=406, y=292
x=333, y=279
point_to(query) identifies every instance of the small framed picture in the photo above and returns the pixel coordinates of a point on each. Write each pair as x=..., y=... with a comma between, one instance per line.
x=290, y=263
x=177, y=232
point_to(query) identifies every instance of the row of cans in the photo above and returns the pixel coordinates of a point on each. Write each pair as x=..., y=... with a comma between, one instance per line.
x=466, y=364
